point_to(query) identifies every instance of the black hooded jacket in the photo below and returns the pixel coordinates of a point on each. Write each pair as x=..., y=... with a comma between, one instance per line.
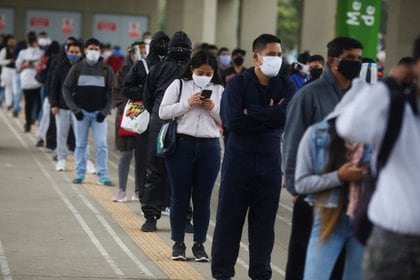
x=163, y=74
x=133, y=85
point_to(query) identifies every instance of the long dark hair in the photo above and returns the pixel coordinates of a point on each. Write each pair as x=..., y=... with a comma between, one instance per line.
x=199, y=59
x=337, y=157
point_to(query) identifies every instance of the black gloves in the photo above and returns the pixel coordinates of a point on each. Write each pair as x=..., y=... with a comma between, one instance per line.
x=79, y=116
x=100, y=117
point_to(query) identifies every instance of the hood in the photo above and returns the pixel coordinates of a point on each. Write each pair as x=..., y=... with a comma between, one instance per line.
x=156, y=38
x=357, y=86
x=180, y=38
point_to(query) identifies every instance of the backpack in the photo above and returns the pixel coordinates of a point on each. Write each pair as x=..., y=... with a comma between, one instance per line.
x=362, y=224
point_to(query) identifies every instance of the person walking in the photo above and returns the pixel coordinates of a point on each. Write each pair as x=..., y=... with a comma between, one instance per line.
x=310, y=105
x=393, y=248
x=333, y=172
x=195, y=164
x=87, y=91
x=253, y=108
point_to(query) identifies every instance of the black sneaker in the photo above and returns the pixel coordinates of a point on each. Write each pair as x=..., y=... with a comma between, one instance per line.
x=199, y=253
x=189, y=228
x=149, y=225
x=40, y=143
x=178, y=251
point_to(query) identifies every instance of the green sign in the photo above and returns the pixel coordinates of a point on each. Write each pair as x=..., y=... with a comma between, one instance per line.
x=360, y=19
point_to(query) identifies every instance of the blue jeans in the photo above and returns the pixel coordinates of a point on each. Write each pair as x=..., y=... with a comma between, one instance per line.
x=322, y=255
x=192, y=171
x=81, y=132
x=17, y=93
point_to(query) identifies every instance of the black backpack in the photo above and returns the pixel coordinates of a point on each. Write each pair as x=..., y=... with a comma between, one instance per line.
x=362, y=224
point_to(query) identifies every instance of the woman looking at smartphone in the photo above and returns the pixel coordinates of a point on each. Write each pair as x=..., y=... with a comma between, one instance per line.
x=194, y=102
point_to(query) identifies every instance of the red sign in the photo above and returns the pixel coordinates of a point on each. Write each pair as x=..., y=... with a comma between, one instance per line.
x=133, y=29
x=39, y=21
x=106, y=26
x=67, y=26
x=2, y=22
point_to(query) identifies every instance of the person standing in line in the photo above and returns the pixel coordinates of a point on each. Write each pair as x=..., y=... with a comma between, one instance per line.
x=124, y=144
x=253, y=109
x=26, y=64
x=237, y=68
x=8, y=69
x=195, y=164
x=310, y=105
x=156, y=191
x=393, y=248
x=46, y=123
x=132, y=88
x=59, y=107
x=87, y=91
x=17, y=87
x=316, y=65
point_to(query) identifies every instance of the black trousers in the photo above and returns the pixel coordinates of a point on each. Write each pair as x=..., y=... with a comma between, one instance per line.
x=51, y=138
x=156, y=195
x=32, y=99
x=299, y=239
x=250, y=183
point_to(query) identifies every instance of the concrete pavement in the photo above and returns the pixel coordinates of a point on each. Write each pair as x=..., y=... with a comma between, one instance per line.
x=53, y=229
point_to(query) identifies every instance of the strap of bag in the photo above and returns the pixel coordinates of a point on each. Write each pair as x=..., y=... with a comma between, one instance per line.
x=146, y=68
x=395, y=116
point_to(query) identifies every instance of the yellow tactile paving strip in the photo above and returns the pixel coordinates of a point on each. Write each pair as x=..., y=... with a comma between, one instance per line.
x=149, y=243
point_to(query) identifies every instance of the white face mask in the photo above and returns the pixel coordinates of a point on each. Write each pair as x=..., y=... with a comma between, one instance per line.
x=201, y=81
x=148, y=41
x=43, y=42
x=92, y=56
x=270, y=65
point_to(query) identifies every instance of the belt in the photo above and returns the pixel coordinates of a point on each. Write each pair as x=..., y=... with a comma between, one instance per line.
x=181, y=136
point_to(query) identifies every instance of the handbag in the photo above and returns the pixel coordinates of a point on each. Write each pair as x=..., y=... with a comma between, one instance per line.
x=166, y=140
x=135, y=117
x=123, y=132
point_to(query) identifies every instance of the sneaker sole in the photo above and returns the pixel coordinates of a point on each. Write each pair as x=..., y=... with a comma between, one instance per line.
x=179, y=258
x=203, y=259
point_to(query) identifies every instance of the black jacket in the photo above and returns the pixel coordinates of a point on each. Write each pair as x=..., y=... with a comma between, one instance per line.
x=58, y=76
x=158, y=80
x=259, y=130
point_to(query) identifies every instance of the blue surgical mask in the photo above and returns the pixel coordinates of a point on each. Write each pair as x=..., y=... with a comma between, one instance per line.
x=73, y=58
x=225, y=59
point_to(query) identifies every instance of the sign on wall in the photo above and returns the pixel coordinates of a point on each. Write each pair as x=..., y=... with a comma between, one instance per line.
x=7, y=20
x=360, y=19
x=58, y=24
x=119, y=29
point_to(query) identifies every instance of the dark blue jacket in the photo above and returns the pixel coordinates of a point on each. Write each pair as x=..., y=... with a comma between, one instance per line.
x=258, y=131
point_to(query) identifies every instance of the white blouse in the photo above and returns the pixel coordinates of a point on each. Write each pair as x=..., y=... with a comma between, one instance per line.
x=193, y=121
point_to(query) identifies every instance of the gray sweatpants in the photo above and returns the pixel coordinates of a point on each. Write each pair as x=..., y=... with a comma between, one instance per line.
x=124, y=169
x=391, y=255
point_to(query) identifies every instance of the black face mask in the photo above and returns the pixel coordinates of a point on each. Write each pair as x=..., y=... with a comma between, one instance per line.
x=349, y=68
x=316, y=73
x=162, y=50
x=180, y=56
x=238, y=60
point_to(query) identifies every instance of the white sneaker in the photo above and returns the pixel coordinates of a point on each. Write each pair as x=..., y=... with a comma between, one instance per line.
x=135, y=196
x=120, y=197
x=61, y=165
x=166, y=211
x=91, y=169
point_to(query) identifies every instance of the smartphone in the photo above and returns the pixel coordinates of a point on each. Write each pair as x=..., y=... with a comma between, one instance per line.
x=205, y=94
